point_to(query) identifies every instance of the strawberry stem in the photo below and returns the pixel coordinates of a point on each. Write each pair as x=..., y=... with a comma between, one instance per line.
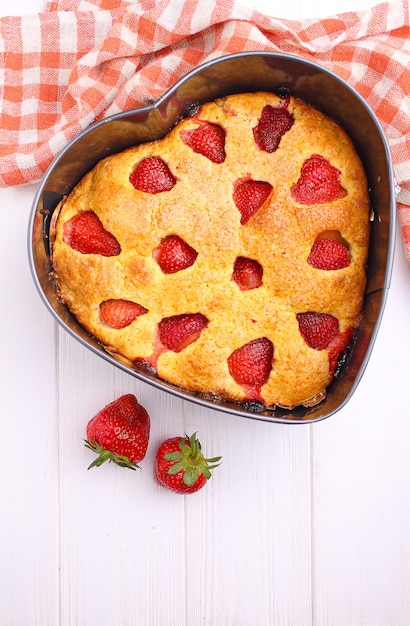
x=107, y=455
x=191, y=461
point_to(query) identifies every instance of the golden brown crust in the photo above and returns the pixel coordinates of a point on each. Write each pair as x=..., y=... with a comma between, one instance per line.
x=200, y=209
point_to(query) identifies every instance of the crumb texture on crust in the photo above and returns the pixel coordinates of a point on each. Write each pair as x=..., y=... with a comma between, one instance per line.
x=246, y=187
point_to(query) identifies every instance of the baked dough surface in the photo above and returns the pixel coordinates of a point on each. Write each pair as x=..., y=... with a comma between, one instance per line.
x=200, y=209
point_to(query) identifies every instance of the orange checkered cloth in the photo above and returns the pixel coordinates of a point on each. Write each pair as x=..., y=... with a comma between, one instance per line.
x=82, y=60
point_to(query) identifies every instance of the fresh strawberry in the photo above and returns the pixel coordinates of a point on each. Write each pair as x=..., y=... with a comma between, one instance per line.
x=180, y=465
x=152, y=175
x=178, y=331
x=249, y=196
x=85, y=233
x=273, y=124
x=119, y=433
x=337, y=346
x=207, y=139
x=252, y=363
x=319, y=182
x=174, y=254
x=318, y=329
x=120, y=313
x=328, y=254
x=247, y=273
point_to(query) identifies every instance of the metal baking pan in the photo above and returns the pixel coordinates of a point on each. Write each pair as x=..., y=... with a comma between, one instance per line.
x=249, y=71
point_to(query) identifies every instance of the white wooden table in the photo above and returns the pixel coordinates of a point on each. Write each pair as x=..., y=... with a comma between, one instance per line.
x=300, y=526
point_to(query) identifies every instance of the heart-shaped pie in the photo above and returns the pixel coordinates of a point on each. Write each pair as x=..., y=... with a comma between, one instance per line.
x=229, y=256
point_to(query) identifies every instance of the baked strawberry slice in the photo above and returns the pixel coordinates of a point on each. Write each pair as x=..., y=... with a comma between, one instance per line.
x=173, y=254
x=251, y=364
x=85, y=233
x=319, y=182
x=119, y=433
x=361, y=346
x=337, y=347
x=119, y=313
x=152, y=175
x=178, y=331
x=180, y=465
x=249, y=195
x=274, y=122
x=247, y=273
x=318, y=329
x=207, y=139
x=328, y=254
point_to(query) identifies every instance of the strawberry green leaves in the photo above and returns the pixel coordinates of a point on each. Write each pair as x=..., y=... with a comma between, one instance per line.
x=180, y=465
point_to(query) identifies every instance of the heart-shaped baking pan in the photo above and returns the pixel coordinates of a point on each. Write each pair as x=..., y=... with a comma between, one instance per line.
x=250, y=71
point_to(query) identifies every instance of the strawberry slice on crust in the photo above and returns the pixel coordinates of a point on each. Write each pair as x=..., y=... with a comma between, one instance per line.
x=319, y=182
x=328, y=254
x=173, y=254
x=249, y=196
x=318, y=329
x=85, y=233
x=274, y=122
x=321, y=331
x=207, y=139
x=337, y=346
x=120, y=313
x=152, y=175
x=179, y=331
x=252, y=363
x=247, y=273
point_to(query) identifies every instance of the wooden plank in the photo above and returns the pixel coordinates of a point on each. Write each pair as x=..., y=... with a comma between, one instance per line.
x=249, y=537
x=121, y=533
x=361, y=484
x=28, y=479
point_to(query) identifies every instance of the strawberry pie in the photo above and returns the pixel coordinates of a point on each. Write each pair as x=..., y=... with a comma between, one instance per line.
x=228, y=257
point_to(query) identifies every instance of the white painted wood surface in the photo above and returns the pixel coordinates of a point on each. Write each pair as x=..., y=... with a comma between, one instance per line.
x=300, y=526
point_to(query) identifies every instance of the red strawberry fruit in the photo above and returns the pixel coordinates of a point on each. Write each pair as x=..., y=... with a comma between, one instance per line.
x=361, y=345
x=85, y=233
x=173, y=254
x=249, y=196
x=318, y=329
x=251, y=364
x=119, y=433
x=247, y=273
x=152, y=175
x=178, y=331
x=319, y=182
x=207, y=139
x=273, y=124
x=328, y=254
x=120, y=313
x=180, y=465
x=337, y=346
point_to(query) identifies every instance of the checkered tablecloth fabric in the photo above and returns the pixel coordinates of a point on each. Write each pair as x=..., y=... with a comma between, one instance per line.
x=82, y=60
